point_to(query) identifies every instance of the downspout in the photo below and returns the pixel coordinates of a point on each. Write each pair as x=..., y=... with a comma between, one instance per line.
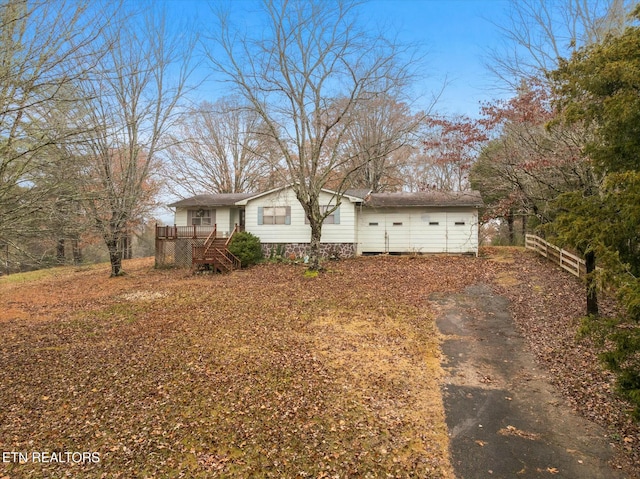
x=356, y=225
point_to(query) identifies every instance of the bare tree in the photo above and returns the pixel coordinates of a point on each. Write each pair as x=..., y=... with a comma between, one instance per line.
x=537, y=33
x=306, y=74
x=45, y=47
x=219, y=150
x=531, y=159
x=378, y=141
x=130, y=103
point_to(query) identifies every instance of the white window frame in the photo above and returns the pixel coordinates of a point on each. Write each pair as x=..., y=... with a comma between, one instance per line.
x=201, y=217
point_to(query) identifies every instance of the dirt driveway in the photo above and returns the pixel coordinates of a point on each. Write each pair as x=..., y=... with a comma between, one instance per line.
x=504, y=418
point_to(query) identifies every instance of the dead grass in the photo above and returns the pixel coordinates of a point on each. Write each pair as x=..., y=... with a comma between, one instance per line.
x=261, y=373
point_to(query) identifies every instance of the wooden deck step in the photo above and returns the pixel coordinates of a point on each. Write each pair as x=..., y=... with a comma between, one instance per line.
x=215, y=255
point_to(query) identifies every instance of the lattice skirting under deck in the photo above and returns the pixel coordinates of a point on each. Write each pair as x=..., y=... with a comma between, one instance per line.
x=176, y=252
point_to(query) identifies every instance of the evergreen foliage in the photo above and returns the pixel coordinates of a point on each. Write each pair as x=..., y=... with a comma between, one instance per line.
x=599, y=88
x=246, y=247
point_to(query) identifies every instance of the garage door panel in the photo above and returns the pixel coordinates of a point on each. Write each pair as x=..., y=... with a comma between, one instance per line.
x=418, y=232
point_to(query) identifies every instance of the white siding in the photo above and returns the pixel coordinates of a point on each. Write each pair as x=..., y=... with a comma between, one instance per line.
x=181, y=217
x=462, y=232
x=298, y=231
x=224, y=219
x=418, y=230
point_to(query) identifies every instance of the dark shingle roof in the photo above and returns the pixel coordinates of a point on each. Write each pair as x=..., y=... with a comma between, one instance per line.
x=358, y=193
x=221, y=199
x=375, y=200
x=425, y=198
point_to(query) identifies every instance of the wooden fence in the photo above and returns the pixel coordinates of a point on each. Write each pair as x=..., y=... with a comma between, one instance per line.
x=566, y=260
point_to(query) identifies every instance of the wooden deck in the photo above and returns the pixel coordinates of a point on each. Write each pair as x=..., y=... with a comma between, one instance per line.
x=215, y=254
x=211, y=254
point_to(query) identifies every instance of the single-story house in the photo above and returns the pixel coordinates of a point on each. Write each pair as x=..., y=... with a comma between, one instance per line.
x=364, y=223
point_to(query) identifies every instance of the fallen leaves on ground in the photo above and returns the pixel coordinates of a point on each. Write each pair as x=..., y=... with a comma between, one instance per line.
x=547, y=304
x=263, y=372
x=514, y=431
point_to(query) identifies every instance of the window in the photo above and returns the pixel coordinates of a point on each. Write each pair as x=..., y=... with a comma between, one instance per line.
x=332, y=219
x=200, y=217
x=274, y=215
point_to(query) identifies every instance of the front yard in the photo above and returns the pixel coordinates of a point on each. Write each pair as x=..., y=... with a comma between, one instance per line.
x=260, y=373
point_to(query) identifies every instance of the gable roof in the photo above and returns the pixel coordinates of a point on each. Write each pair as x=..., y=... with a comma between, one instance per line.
x=425, y=198
x=353, y=199
x=220, y=199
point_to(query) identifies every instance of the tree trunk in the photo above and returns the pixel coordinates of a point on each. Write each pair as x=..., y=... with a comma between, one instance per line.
x=60, y=256
x=115, y=257
x=314, y=246
x=127, y=248
x=77, y=251
x=592, y=290
x=510, y=226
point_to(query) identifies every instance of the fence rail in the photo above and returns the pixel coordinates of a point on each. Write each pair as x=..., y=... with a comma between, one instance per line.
x=565, y=259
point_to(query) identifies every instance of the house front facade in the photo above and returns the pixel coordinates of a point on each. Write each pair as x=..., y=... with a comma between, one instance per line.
x=279, y=220
x=363, y=223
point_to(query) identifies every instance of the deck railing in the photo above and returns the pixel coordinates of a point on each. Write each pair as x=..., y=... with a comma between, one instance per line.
x=177, y=232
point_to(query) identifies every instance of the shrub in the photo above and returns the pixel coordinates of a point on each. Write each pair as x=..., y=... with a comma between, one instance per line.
x=246, y=247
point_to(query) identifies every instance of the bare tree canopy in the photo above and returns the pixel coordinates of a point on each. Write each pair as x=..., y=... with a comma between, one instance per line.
x=219, y=149
x=128, y=104
x=537, y=33
x=305, y=74
x=45, y=48
x=379, y=141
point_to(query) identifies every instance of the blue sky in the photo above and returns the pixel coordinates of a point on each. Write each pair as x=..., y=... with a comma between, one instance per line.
x=455, y=35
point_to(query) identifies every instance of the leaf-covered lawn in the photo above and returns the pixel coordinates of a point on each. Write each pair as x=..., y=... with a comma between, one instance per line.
x=263, y=373
x=260, y=373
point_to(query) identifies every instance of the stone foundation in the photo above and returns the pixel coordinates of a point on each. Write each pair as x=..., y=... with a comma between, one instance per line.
x=300, y=250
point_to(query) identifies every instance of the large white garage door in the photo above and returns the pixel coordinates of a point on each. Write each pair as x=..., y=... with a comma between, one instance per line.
x=415, y=232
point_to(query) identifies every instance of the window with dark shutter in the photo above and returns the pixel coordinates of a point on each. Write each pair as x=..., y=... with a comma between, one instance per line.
x=274, y=215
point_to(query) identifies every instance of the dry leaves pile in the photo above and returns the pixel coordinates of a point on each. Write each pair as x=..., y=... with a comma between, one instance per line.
x=261, y=372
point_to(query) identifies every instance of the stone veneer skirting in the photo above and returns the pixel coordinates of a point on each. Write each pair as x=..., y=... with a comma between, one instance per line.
x=300, y=250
